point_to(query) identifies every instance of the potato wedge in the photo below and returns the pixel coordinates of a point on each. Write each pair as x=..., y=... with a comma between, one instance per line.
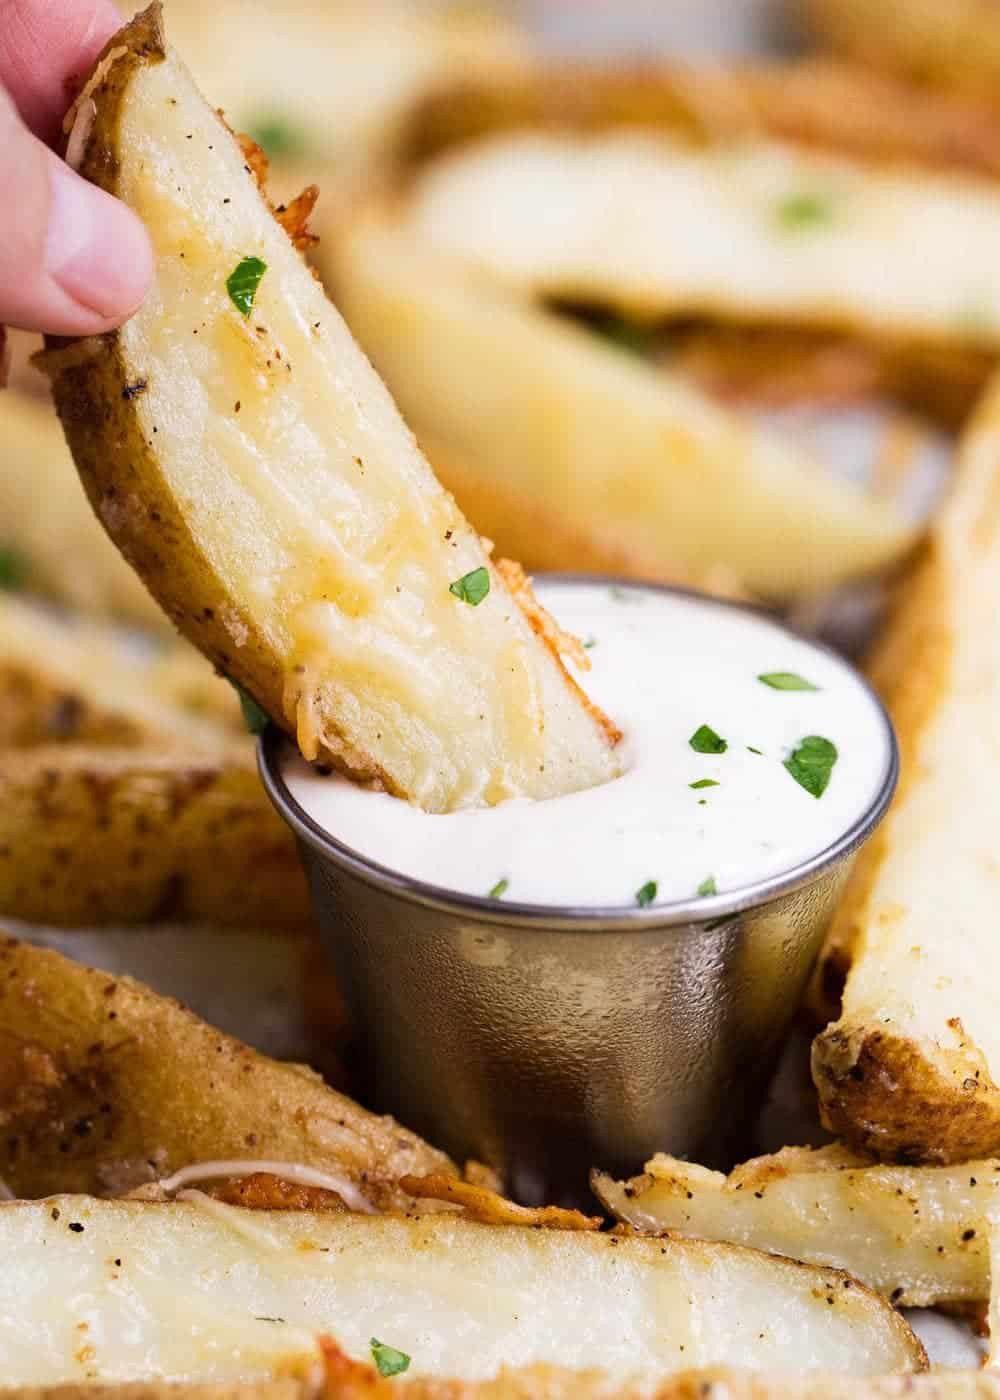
x=48, y=527
x=918, y=1235
x=104, y=1085
x=910, y=1069
x=92, y=835
x=67, y=679
x=955, y=46
x=812, y=101
x=655, y=476
x=209, y=1292
x=759, y=231
x=328, y=88
x=256, y=473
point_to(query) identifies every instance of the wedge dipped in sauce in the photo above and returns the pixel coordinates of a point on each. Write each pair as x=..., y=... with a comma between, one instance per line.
x=246, y=459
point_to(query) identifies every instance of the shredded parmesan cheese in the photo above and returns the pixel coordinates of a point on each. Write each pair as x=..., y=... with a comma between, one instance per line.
x=290, y=1171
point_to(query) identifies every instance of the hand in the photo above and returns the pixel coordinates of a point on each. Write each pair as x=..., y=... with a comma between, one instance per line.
x=73, y=261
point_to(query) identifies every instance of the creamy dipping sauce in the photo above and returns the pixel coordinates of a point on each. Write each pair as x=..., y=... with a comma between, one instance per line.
x=681, y=677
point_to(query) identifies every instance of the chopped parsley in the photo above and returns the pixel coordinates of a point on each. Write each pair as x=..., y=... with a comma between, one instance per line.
x=589, y=643
x=707, y=886
x=705, y=740
x=645, y=896
x=242, y=283
x=473, y=587
x=808, y=209
x=704, y=783
x=812, y=763
x=758, y=752
x=622, y=334
x=268, y=1319
x=499, y=889
x=786, y=680
x=13, y=569
x=388, y=1360
x=255, y=719
x=278, y=139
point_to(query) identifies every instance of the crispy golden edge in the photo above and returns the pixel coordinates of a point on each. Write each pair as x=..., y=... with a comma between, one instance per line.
x=549, y=1383
x=105, y=1085
x=92, y=835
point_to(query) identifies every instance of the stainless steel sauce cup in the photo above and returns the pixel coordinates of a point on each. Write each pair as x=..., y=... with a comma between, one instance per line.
x=544, y=1040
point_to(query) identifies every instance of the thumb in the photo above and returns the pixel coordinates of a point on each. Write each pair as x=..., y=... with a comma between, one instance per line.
x=73, y=260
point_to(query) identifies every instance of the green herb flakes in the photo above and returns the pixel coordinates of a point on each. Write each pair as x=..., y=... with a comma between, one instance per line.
x=278, y=139
x=473, y=587
x=499, y=889
x=758, y=752
x=389, y=1361
x=707, y=886
x=705, y=740
x=255, y=719
x=703, y=783
x=803, y=211
x=645, y=896
x=786, y=680
x=812, y=763
x=13, y=569
x=242, y=283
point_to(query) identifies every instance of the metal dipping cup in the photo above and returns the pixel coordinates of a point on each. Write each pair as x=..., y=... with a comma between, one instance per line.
x=548, y=1040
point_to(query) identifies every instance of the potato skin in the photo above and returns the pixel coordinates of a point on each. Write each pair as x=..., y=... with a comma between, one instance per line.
x=95, y=835
x=104, y=1084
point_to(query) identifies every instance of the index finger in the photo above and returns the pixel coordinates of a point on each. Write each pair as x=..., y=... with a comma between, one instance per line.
x=46, y=47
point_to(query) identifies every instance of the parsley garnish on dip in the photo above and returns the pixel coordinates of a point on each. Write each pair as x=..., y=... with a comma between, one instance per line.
x=812, y=763
x=645, y=895
x=707, y=886
x=242, y=283
x=786, y=680
x=472, y=587
x=721, y=770
x=389, y=1361
x=705, y=740
x=804, y=210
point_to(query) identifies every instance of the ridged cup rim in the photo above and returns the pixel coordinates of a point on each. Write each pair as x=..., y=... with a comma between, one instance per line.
x=694, y=910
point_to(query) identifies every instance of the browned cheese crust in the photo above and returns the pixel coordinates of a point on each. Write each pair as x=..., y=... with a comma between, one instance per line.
x=104, y=1085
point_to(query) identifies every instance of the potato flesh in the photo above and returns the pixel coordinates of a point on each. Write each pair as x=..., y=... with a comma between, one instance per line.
x=461, y=1299
x=919, y=1234
x=756, y=230
x=919, y=918
x=597, y=436
x=309, y=498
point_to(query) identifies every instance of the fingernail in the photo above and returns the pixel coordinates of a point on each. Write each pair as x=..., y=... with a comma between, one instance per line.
x=95, y=248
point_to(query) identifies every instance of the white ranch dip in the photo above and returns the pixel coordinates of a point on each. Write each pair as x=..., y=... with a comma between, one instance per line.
x=664, y=668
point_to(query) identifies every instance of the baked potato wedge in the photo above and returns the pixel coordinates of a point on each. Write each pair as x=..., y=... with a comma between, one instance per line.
x=210, y=1292
x=105, y=1085
x=95, y=835
x=74, y=680
x=757, y=231
x=48, y=534
x=658, y=478
x=910, y=1069
x=328, y=89
x=954, y=45
x=241, y=452
x=918, y=1235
